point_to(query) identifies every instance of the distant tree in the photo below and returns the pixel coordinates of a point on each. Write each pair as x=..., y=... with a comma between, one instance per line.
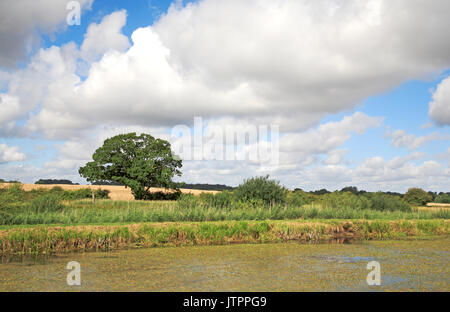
x=321, y=192
x=138, y=162
x=54, y=181
x=206, y=187
x=394, y=194
x=443, y=198
x=433, y=195
x=417, y=196
x=351, y=189
x=5, y=181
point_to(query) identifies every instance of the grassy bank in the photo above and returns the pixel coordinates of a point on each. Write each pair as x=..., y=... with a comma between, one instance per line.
x=107, y=211
x=48, y=240
x=57, y=206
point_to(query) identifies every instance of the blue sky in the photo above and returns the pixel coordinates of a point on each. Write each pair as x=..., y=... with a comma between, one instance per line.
x=384, y=125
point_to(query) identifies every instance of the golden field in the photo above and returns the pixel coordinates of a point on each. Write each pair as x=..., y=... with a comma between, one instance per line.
x=116, y=192
x=438, y=205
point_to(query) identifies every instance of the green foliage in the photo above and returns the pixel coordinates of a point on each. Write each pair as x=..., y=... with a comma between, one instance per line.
x=15, y=195
x=320, y=192
x=190, y=208
x=139, y=162
x=263, y=189
x=174, y=195
x=338, y=200
x=78, y=194
x=222, y=199
x=443, y=198
x=205, y=186
x=351, y=189
x=417, y=196
x=12, y=193
x=383, y=202
x=54, y=181
x=46, y=203
x=300, y=198
x=188, y=201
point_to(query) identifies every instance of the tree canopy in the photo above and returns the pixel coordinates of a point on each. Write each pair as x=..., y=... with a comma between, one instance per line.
x=138, y=162
x=417, y=196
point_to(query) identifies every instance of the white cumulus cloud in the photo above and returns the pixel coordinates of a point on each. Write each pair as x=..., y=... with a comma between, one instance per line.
x=399, y=138
x=10, y=154
x=21, y=22
x=439, y=107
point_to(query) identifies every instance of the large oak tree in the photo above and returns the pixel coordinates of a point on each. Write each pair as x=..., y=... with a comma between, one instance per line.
x=138, y=162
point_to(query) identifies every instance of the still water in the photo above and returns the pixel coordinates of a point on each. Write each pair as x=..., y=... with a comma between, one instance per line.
x=419, y=265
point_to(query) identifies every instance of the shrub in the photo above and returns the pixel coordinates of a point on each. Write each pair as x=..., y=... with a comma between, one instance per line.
x=383, y=202
x=299, y=198
x=78, y=194
x=102, y=194
x=351, y=189
x=261, y=188
x=162, y=195
x=443, y=198
x=417, y=196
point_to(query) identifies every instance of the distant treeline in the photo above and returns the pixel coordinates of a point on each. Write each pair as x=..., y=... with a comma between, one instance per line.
x=4, y=181
x=205, y=187
x=55, y=181
x=351, y=189
x=413, y=195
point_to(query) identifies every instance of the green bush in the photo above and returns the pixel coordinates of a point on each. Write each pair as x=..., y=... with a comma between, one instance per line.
x=300, y=198
x=417, y=196
x=162, y=195
x=78, y=194
x=383, y=202
x=261, y=189
x=443, y=198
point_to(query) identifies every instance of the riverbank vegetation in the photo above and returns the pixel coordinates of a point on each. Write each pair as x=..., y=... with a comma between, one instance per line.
x=259, y=210
x=47, y=240
x=56, y=206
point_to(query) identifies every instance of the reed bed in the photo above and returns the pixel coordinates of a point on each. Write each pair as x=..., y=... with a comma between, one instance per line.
x=107, y=211
x=49, y=240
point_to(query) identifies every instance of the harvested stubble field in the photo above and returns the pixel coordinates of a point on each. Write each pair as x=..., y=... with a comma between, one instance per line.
x=438, y=205
x=115, y=192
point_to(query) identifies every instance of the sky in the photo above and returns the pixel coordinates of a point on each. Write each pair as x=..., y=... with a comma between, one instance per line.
x=359, y=90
